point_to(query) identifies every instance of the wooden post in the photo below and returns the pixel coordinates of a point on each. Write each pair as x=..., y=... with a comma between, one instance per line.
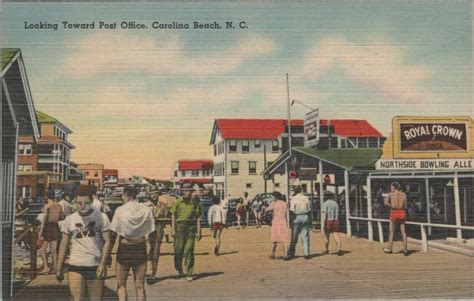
x=424, y=239
x=379, y=226
x=369, y=209
x=428, y=213
x=321, y=190
x=457, y=206
x=346, y=185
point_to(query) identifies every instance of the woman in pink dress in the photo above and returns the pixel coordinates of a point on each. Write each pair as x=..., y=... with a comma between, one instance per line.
x=280, y=232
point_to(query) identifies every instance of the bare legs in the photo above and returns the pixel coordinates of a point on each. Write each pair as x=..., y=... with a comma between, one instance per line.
x=78, y=285
x=139, y=273
x=335, y=235
x=285, y=250
x=217, y=238
x=53, y=247
x=392, y=233
x=44, y=257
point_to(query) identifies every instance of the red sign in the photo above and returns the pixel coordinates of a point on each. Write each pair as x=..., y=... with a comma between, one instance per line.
x=293, y=174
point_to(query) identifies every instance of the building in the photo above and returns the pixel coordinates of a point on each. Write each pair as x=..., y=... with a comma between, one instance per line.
x=93, y=174
x=193, y=171
x=242, y=150
x=48, y=162
x=110, y=178
x=431, y=157
x=18, y=118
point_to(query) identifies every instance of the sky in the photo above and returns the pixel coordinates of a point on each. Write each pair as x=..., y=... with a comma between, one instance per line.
x=140, y=99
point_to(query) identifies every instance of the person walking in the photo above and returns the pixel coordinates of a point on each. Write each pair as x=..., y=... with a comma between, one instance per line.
x=161, y=214
x=216, y=219
x=89, y=233
x=257, y=206
x=300, y=206
x=240, y=211
x=280, y=231
x=225, y=205
x=133, y=222
x=330, y=220
x=397, y=201
x=50, y=231
x=185, y=228
x=247, y=202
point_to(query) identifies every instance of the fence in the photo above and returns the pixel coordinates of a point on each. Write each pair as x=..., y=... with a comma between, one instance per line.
x=423, y=226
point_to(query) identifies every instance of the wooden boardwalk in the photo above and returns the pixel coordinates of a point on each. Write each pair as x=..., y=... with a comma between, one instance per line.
x=245, y=272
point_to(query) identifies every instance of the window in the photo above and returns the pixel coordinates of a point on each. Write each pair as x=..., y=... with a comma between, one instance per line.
x=277, y=185
x=25, y=167
x=215, y=149
x=87, y=173
x=275, y=146
x=24, y=191
x=234, y=165
x=96, y=173
x=25, y=149
x=245, y=146
x=183, y=173
x=373, y=142
x=257, y=143
x=195, y=172
x=248, y=185
x=232, y=146
x=363, y=142
x=252, y=167
x=206, y=172
x=175, y=173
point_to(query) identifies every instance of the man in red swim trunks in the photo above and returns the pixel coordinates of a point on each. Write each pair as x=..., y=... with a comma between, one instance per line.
x=397, y=201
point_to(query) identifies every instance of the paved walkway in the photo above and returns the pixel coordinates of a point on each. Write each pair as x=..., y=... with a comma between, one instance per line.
x=244, y=271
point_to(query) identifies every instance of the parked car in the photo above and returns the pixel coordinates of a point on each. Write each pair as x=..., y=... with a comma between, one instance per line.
x=206, y=203
x=231, y=209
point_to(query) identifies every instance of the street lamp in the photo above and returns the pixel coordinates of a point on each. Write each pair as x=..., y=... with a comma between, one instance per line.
x=294, y=101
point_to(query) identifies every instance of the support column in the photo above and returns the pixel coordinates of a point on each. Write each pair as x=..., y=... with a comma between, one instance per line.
x=369, y=208
x=346, y=185
x=428, y=213
x=321, y=191
x=457, y=206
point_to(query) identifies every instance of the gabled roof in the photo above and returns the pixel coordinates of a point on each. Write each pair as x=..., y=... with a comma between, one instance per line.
x=352, y=127
x=195, y=164
x=8, y=55
x=251, y=128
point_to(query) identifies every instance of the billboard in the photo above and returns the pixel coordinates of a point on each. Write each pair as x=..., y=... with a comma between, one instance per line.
x=433, y=137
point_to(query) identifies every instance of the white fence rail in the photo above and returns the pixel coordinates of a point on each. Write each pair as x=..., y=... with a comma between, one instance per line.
x=423, y=226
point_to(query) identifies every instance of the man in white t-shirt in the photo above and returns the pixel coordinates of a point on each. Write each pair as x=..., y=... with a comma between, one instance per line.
x=88, y=231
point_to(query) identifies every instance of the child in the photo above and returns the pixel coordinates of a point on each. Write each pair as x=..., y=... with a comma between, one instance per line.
x=216, y=219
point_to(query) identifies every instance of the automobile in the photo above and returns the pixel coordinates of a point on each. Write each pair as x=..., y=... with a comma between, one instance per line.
x=164, y=189
x=117, y=192
x=231, y=209
x=174, y=192
x=113, y=202
x=206, y=203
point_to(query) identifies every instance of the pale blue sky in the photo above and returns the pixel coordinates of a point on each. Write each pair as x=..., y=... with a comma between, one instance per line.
x=139, y=100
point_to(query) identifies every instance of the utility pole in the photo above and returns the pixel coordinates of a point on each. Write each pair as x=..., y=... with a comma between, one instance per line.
x=265, y=163
x=287, y=169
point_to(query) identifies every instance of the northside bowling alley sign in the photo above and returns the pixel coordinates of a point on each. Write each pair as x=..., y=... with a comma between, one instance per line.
x=433, y=137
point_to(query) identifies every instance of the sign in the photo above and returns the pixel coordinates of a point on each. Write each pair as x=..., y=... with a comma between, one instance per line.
x=428, y=164
x=311, y=128
x=293, y=174
x=433, y=137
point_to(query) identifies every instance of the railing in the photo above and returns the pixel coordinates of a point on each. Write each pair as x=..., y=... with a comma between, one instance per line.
x=423, y=226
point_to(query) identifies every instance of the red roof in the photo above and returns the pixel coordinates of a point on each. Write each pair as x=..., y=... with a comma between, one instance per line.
x=110, y=172
x=254, y=128
x=352, y=128
x=195, y=164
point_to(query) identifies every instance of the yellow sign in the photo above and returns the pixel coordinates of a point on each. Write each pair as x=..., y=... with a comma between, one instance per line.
x=430, y=138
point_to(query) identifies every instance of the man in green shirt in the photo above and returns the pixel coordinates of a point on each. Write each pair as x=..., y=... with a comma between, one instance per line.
x=185, y=228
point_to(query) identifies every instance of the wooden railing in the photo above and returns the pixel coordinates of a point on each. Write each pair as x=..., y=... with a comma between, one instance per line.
x=423, y=226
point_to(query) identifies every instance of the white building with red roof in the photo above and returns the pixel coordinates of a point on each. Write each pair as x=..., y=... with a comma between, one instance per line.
x=242, y=150
x=193, y=171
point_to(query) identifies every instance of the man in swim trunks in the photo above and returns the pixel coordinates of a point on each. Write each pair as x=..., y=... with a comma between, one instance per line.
x=397, y=201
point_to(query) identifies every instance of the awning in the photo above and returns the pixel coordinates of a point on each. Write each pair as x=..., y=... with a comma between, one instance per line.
x=198, y=181
x=276, y=164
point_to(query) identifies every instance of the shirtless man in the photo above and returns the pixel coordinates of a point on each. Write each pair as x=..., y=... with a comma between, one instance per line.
x=50, y=230
x=397, y=201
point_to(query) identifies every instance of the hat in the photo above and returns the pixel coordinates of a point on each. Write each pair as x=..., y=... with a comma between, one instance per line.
x=329, y=195
x=186, y=187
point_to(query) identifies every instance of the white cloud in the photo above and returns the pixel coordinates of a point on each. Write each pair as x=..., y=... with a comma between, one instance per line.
x=110, y=53
x=377, y=64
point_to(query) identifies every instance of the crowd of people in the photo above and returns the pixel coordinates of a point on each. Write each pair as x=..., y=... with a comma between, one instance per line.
x=90, y=230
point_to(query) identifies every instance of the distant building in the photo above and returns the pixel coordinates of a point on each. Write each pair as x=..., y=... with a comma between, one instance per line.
x=242, y=150
x=110, y=178
x=93, y=174
x=47, y=162
x=193, y=171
